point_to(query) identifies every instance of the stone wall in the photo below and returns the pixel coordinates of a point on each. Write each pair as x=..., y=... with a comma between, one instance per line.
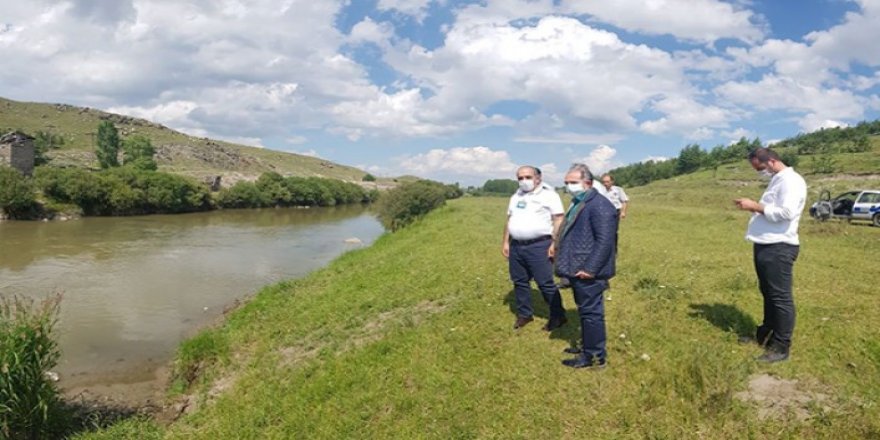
x=17, y=151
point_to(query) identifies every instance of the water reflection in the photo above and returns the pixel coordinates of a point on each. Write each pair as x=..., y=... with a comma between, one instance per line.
x=135, y=286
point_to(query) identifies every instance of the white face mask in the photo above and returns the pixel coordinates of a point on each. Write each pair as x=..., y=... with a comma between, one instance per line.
x=765, y=173
x=575, y=188
x=527, y=185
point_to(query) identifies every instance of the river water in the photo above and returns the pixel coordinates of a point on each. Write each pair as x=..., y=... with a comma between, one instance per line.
x=134, y=287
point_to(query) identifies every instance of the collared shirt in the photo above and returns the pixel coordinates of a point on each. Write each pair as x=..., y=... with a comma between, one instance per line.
x=616, y=195
x=530, y=214
x=783, y=203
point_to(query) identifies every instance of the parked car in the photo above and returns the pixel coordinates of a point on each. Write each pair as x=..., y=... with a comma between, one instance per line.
x=852, y=205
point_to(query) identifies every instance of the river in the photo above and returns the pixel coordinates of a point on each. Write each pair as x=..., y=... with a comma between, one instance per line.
x=134, y=287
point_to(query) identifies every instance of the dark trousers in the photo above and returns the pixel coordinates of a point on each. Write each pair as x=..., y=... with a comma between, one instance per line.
x=529, y=262
x=591, y=309
x=774, y=264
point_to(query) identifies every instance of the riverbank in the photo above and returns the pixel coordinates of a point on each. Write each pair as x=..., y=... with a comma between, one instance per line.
x=411, y=338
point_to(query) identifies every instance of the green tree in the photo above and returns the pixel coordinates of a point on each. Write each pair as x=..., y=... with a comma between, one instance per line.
x=16, y=193
x=368, y=178
x=138, y=152
x=43, y=142
x=108, y=145
x=690, y=159
x=501, y=186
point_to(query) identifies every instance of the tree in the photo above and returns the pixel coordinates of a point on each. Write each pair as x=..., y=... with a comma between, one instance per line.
x=138, y=152
x=108, y=145
x=690, y=159
x=501, y=186
x=369, y=178
x=43, y=142
x=16, y=193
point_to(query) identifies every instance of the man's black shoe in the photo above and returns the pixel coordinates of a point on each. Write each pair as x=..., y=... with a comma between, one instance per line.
x=554, y=323
x=572, y=350
x=771, y=356
x=521, y=321
x=583, y=362
x=745, y=340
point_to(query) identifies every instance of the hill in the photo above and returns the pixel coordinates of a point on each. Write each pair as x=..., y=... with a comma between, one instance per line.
x=411, y=338
x=175, y=152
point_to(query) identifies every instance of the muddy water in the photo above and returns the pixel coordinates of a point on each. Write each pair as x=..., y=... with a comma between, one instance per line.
x=134, y=287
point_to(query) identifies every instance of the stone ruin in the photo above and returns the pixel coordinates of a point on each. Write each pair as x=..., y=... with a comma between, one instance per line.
x=17, y=151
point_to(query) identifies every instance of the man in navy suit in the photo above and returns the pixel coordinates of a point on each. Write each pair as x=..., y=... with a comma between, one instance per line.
x=585, y=256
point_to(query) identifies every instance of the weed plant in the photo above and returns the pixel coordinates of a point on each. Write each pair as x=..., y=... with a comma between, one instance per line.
x=30, y=407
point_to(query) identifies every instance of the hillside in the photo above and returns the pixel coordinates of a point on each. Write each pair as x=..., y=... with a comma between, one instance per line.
x=175, y=152
x=411, y=337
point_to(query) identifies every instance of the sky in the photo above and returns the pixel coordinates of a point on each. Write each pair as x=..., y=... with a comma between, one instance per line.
x=455, y=90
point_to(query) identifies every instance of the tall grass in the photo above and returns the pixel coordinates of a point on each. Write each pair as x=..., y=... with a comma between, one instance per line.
x=30, y=407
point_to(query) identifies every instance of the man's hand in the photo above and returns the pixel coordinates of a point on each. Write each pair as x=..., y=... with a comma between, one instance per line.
x=505, y=249
x=551, y=251
x=622, y=215
x=748, y=205
x=583, y=275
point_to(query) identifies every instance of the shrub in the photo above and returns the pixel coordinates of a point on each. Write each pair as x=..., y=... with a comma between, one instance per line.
x=138, y=152
x=16, y=193
x=408, y=202
x=242, y=195
x=30, y=406
x=369, y=178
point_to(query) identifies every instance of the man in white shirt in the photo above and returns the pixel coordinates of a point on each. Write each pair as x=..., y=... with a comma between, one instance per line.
x=773, y=229
x=615, y=194
x=533, y=218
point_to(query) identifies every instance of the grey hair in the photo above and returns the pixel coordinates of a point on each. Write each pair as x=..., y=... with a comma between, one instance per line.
x=584, y=171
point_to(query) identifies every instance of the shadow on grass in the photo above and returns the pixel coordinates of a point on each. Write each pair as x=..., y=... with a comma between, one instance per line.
x=91, y=413
x=726, y=317
x=569, y=332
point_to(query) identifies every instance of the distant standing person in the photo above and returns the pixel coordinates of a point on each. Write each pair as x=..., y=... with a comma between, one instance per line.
x=585, y=256
x=615, y=195
x=534, y=215
x=773, y=229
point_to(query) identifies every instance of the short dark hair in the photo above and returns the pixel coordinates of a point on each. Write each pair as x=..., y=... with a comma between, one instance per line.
x=764, y=155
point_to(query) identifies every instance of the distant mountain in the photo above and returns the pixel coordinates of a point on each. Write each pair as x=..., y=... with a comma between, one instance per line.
x=175, y=152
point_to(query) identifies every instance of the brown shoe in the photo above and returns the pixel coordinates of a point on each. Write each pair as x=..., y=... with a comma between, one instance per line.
x=554, y=323
x=521, y=321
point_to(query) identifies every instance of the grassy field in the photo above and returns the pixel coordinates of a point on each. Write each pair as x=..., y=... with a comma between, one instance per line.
x=176, y=152
x=412, y=338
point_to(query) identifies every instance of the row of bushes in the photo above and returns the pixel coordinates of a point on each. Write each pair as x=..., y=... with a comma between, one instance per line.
x=272, y=189
x=122, y=191
x=132, y=191
x=410, y=201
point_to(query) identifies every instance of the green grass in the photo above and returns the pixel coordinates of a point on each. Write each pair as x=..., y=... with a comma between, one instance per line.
x=411, y=338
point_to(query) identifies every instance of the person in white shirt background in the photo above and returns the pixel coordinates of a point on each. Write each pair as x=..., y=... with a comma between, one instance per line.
x=533, y=218
x=773, y=229
x=615, y=194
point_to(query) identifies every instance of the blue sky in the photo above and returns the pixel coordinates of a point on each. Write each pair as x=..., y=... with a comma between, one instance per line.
x=456, y=90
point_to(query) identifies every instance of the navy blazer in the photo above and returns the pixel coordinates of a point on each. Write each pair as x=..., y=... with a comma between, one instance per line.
x=587, y=241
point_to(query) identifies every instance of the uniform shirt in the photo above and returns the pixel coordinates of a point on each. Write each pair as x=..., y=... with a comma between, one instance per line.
x=616, y=195
x=783, y=203
x=530, y=214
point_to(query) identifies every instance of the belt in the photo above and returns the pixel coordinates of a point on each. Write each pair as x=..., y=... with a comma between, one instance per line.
x=534, y=240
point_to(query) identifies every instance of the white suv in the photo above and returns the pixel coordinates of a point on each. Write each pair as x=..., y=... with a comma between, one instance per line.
x=852, y=205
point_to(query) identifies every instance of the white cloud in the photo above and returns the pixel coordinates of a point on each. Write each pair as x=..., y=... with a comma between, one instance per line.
x=735, y=135
x=371, y=32
x=696, y=20
x=460, y=161
x=599, y=160
x=415, y=8
x=655, y=159
x=310, y=153
x=782, y=93
x=570, y=138
x=296, y=140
